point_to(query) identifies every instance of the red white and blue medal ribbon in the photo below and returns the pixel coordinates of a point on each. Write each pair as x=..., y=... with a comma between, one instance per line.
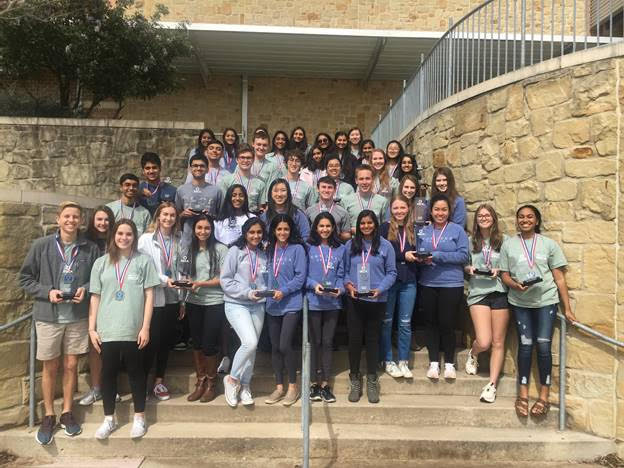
x=435, y=241
x=402, y=239
x=253, y=268
x=121, y=278
x=530, y=258
x=168, y=253
x=328, y=264
x=121, y=211
x=277, y=266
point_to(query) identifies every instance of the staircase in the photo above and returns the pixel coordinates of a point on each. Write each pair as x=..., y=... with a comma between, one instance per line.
x=415, y=421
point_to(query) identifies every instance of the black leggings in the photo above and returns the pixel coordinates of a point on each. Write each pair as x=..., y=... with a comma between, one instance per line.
x=205, y=323
x=439, y=306
x=322, y=329
x=162, y=337
x=364, y=319
x=282, y=331
x=113, y=352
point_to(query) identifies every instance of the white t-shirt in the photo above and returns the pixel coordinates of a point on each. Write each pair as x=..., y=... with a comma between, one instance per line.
x=229, y=230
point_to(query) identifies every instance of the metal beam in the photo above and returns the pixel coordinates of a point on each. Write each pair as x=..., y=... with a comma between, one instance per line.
x=244, y=106
x=372, y=63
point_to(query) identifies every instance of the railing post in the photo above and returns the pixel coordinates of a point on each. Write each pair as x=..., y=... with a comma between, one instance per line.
x=31, y=374
x=522, y=32
x=421, y=71
x=449, y=85
x=562, y=373
x=305, y=390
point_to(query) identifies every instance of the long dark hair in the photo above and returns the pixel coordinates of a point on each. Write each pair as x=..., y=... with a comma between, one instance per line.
x=113, y=250
x=346, y=149
x=451, y=190
x=315, y=238
x=274, y=148
x=92, y=233
x=538, y=216
x=436, y=198
x=211, y=243
x=310, y=163
x=231, y=150
x=496, y=237
x=401, y=150
x=227, y=209
x=199, y=138
x=330, y=142
x=241, y=242
x=302, y=145
x=399, y=174
x=293, y=238
x=361, y=139
x=357, y=243
x=271, y=212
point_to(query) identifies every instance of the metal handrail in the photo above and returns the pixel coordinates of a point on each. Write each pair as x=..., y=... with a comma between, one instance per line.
x=305, y=384
x=31, y=363
x=563, y=357
x=495, y=38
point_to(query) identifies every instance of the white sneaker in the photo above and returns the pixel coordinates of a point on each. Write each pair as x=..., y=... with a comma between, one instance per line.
x=90, y=397
x=434, y=370
x=138, y=428
x=404, y=369
x=246, y=398
x=471, y=364
x=224, y=366
x=449, y=371
x=392, y=370
x=488, y=395
x=106, y=429
x=230, y=391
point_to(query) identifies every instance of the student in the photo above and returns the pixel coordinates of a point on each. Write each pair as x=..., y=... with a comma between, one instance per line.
x=205, y=137
x=487, y=297
x=243, y=274
x=326, y=269
x=279, y=145
x=364, y=198
x=234, y=212
x=267, y=171
x=407, y=166
x=399, y=232
x=348, y=160
x=443, y=182
x=383, y=184
x=127, y=207
x=409, y=187
x=216, y=167
x=327, y=190
x=298, y=140
x=313, y=167
x=254, y=187
x=120, y=314
x=367, y=151
x=355, y=141
x=288, y=264
x=230, y=147
x=302, y=193
x=441, y=281
x=280, y=202
x=59, y=265
x=529, y=257
x=196, y=198
x=324, y=141
x=152, y=190
x=161, y=242
x=99, y=232
x=370, y=268
x=333, y=169
x=394, y=153
x=204, y=305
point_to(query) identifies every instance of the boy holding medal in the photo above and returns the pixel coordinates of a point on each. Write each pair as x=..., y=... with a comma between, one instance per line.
x=56, y=274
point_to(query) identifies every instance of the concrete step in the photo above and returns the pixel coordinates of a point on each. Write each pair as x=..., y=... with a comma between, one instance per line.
x=331, y=442
x=428, y=410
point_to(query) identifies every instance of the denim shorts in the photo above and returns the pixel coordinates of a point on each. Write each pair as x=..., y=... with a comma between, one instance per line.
x=495, y=300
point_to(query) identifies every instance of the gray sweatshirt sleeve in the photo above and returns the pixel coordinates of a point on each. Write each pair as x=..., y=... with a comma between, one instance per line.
x=30, y=273
x=234, y=281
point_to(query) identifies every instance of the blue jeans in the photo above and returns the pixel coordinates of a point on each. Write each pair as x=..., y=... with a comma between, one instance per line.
x=405, y=295
x=535, y=328
x=246, y=320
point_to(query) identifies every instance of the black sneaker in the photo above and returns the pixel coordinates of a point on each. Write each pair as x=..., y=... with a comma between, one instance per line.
x=327, y=395
x=45, y=434
x=315, y=392
x=67, y=421
x=355, y=392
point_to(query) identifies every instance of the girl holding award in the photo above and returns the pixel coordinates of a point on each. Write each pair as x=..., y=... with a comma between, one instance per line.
x=121, y=286
x=370, y=272
x=533, y=266
x=288, y=264
x=487, y=297
x=325, y=284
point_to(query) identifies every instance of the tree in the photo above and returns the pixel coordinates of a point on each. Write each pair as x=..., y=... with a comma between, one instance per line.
x=106, y=50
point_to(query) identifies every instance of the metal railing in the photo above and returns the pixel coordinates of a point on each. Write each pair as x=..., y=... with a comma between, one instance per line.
x=495, y=38
x=563, y=355
x=31, y=363
x=305, y=387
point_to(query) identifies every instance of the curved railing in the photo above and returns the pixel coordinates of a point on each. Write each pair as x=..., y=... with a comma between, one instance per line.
x=498, y=37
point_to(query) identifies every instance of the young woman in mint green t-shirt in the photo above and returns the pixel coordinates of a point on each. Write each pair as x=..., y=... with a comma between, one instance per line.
x=487, y=297
x=533, y=266
x=120, y=313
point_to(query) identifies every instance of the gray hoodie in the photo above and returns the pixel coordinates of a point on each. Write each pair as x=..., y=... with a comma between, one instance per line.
x=236, y=276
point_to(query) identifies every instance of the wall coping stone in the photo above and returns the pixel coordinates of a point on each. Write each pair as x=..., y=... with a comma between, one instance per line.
x=16, y=195
x=112, y=123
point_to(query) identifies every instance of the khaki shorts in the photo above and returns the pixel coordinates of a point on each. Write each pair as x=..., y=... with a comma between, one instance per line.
x=66, y=338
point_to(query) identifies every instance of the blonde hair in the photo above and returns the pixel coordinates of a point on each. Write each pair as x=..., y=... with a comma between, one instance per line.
x=393, y=228
x=155, y=224
x=68, y=204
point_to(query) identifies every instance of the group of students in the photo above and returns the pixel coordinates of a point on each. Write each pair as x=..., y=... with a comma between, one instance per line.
x=247, y=237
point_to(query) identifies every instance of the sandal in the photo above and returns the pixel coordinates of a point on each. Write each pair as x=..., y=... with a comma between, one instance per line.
x=522, y=407
x=540, y=408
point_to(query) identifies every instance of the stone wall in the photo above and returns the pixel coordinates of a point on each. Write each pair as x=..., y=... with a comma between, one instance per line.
x=554, y=140
x=86, y=157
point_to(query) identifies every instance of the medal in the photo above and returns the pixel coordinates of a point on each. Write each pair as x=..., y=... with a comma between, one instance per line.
x=277, y=267
x=362, y=204
x=168, y=253
x=68, y=276
x=121, y=211
x=240, y=181
x=486, y=250
x=261, y=167
x=253, y=268
x=530, y=258
x=119, y=296
x=121, y=278
x=324, y=208
x=435, y=241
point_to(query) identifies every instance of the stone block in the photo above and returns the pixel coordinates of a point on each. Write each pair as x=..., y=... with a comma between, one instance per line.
x=488, y=148
x=14, y=358
x=602, y=417
x=582, y=152
x=590, y=167
x=10, y=392
x=509, y=152
x=492, y=164
x=584, y=384
x=549, y=93
x=517, y=128
x=471, y=116
x=571, y=132
x=505, y=201
x=573, y=253
x=469, y=156
x=560, y=190
x=604, y=132
x=529, y=192
x=477, y=192
x=558, y=211
x=495, y=124
x=468, y=139
x=515, y=102
x=472, y=173
x=577, y=409
x=541, y=121
x=453, y=155
x=549, y=166
x=592, y=231
x=497, y=176
x=595, y=310
x=585, y=353
x=496, y=100
x=599, y=268
x=598, y=196
x=529, y=148
x=574, y=276
x=519, y=172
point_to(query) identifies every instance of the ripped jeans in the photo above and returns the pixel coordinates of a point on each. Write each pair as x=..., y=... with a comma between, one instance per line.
x=535, y=326
x=405, y=295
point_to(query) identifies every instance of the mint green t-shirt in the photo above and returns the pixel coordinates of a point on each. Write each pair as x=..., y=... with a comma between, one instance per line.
x=122, y=320
x=267, y=171
x=387, y=191
x=138, y=214
x=354, y=204
x=303, y=195
x=208, y=295
x=256, y=189
x=343, y=189
x=480, y=286
x=65, y=309
x=548, y=255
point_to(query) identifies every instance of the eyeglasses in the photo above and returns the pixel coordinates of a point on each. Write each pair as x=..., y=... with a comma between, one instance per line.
x=323, y=140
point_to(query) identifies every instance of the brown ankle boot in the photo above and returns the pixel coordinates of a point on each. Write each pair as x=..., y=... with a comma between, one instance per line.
x=200, y=370
x=211, y=379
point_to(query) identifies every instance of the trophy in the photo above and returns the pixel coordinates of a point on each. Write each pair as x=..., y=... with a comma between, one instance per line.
x=264, y=292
